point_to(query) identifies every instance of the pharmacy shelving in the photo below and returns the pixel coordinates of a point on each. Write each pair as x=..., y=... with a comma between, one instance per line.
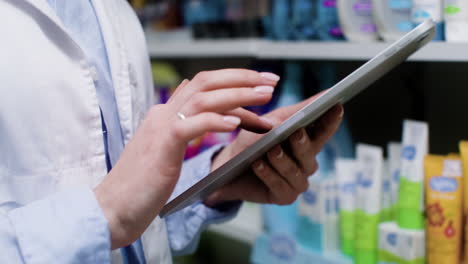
x=265, y=49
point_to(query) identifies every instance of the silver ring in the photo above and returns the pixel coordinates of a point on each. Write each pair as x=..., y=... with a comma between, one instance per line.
x=181, y=116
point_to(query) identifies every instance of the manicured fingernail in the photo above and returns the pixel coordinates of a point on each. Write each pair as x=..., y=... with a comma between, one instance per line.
x=270, y=76
x=232, y=120
x=278, y=152
x=264, y=89
x=258, y=165
x=267, y=120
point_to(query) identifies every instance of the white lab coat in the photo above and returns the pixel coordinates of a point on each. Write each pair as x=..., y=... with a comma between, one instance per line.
x=49, y=107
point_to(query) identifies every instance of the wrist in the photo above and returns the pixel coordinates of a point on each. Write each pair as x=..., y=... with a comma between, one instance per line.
x=109, y=205
x=220, y=157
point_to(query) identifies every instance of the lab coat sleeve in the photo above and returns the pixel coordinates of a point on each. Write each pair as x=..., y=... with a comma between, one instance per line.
x=185, y=226
x=67, y=227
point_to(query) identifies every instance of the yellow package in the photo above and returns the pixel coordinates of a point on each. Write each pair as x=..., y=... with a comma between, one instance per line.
x=444, y=204
x=464, y=155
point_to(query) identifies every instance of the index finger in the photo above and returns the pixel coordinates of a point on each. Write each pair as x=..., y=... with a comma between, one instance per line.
x=230, y=78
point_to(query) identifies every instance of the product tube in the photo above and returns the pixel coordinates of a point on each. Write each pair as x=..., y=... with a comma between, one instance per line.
x=347, y=184
x=456, y=20
x=356, y=20
x=411, y=193
x=444, y=185
x=394, y=163
x=369, y=191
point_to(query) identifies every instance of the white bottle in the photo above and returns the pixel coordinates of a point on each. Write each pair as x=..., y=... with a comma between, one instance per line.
x=429, y=9
x=356, y=20
x=456, y=20
x=393, y=18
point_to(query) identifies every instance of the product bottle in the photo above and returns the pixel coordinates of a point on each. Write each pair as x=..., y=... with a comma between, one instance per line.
x=393, y=18
x=456, y=20
x=429, y=9
x=356, y=20
x=328, y=27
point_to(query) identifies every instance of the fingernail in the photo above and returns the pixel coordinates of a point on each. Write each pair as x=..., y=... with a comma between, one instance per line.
x=258, y=165
x=270, y=76
x=267, y=120
x=300, y=137
x=278, y=152
x=232, y=120
x=341, y=112
x=298, y=173
x=264, y=89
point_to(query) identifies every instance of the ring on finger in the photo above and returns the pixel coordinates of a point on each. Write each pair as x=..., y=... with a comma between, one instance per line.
x=181, y=116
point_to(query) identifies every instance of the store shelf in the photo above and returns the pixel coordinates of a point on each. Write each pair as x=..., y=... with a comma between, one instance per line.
x=245, y=227
x=184, y=47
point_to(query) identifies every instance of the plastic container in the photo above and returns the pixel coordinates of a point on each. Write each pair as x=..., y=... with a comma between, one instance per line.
x=369, y=191
x=393, y=18
x=356, y=20
x=429, y=9
x=456, y=20
x=411, y=193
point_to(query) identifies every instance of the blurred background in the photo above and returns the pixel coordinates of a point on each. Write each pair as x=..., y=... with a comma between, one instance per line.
x=312, y=44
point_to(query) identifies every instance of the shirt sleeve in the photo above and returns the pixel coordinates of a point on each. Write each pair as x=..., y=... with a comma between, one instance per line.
x=67, y=227
x=185, y=226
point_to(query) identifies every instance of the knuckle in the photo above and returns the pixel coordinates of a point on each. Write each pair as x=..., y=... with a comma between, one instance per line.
x=198, y=102
x=209, y=120
x=155, y=109
x=202, y=77
x=177, y=131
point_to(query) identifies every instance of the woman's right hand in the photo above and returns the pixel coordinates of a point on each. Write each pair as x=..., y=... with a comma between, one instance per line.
x=143, y=179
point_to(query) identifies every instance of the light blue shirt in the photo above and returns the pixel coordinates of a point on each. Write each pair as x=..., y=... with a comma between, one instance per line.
x=69, y=227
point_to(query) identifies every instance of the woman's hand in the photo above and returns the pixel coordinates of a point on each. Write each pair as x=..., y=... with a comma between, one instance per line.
x=143, y=179
x=279, y=178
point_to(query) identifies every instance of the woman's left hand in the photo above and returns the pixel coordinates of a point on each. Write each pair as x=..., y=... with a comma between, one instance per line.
x=279, y=178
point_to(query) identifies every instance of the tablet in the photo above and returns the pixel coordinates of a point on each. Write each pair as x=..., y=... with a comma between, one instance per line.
x=346, y=89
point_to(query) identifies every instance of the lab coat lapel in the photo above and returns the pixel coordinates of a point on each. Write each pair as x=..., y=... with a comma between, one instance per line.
x=44, y=8
x=118, y=61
